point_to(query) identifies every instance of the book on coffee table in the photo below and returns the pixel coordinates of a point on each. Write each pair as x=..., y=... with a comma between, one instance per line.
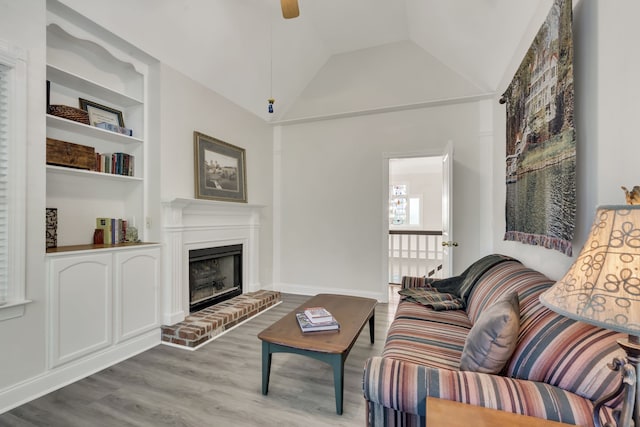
x=318, y=314
x=307, y=326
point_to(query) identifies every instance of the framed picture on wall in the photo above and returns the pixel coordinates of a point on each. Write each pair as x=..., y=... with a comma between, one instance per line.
x=220, y=172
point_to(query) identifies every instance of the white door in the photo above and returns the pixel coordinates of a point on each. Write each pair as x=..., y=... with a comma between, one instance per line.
x=447, y=213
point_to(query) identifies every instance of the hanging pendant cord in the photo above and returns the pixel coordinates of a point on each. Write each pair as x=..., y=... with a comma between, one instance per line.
x=271, y=100
x=271, y=61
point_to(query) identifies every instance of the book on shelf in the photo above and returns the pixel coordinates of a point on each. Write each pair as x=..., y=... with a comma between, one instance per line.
x=105, y=225
x=98, y=236
x=114, y=128
x=113, y=231
x=307, y=326
x=318, y=314
x=116, y=163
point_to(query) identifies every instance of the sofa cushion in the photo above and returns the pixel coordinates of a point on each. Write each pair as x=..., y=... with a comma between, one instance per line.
x=493, y=337
x=568, y=354
x=503, y=279
x=474, y=273
x=424, y=336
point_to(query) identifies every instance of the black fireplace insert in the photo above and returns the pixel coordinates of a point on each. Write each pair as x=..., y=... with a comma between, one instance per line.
x=215, y=275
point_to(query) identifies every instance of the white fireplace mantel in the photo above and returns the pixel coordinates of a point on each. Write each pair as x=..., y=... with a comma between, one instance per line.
x=193, y=212
x=195, y=224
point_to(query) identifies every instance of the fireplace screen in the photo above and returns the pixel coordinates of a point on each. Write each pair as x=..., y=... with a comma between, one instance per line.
x=215, y=275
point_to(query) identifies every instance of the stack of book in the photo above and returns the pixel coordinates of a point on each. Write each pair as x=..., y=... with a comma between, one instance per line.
x=116, y=163
x=110, y=231
x=315, y=319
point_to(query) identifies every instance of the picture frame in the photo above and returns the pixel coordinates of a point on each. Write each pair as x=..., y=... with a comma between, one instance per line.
x=220, y=172
x=99, y=113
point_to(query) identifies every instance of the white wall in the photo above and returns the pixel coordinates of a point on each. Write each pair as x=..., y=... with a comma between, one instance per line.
x=612, y=95
x=331, y=199
x=22, y=348
x=606, y=93
x=187, y=106
x=334, y=203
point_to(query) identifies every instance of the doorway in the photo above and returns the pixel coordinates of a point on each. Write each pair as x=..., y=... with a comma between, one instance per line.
x=415, y=223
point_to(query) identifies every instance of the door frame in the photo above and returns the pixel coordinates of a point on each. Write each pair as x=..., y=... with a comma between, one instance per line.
x=447, y=210
x=435, y=152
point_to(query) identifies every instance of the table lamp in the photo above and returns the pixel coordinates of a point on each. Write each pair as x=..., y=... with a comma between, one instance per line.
x=602, y=288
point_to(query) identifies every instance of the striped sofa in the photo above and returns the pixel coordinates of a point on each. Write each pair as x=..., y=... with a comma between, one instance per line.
x=557, y=371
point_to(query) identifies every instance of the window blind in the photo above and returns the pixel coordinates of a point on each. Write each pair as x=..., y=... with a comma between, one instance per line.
x=4, y=182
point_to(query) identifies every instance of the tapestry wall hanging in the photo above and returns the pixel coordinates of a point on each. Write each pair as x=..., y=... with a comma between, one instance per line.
x=541, y=139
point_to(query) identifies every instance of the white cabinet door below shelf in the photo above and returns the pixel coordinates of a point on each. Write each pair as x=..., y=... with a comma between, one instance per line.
x=80, y=306
x=137, y=284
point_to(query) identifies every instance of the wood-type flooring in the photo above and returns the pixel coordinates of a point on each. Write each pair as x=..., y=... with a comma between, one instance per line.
x=217, y=385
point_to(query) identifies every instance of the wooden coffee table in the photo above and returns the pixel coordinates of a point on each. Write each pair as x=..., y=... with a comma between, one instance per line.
x=332, y=347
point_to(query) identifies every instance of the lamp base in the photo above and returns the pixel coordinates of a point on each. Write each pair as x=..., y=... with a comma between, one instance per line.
x=631, y=405
x=629, y=368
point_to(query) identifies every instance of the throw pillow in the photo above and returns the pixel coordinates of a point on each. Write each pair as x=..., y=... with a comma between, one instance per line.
x=493, y=337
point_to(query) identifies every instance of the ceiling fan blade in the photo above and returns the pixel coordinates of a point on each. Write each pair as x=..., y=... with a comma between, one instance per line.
x=290, y=9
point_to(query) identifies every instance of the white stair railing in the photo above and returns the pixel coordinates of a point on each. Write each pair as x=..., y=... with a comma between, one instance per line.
x=414, y=253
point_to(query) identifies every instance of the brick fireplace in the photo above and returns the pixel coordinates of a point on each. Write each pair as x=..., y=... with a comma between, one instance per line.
x=193, y=225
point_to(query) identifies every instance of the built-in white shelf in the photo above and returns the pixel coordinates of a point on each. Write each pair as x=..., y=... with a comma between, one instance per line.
x=71, y=80
x=91, y=248
x=82, y=173
x=60, y=123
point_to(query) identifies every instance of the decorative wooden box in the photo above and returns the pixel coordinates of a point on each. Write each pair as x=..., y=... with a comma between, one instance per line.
x=61, y=153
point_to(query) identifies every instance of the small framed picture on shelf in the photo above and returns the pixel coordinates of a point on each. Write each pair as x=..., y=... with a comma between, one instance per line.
x=220, y=172
x=99, y=113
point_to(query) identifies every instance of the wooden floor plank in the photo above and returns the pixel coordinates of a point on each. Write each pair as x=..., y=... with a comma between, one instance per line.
x=219, y=384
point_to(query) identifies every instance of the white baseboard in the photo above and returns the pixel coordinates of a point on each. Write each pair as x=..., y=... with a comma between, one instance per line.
x=68, y=373
x=291, y=288
x=253, y=287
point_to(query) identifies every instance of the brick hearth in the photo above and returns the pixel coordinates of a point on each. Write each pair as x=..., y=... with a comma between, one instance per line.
x=204, y=325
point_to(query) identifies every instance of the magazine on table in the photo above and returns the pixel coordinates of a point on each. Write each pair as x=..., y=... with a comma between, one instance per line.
x=318, y=314
x=307, y=326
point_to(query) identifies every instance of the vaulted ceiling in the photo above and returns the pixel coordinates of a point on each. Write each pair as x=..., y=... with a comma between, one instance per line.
x=246, y=51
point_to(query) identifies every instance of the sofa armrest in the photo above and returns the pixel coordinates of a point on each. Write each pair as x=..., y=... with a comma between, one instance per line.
x=404, y=387
x=413, y=282
x=395, y=384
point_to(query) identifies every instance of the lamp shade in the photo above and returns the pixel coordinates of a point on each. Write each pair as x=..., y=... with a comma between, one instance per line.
x=602, y=287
